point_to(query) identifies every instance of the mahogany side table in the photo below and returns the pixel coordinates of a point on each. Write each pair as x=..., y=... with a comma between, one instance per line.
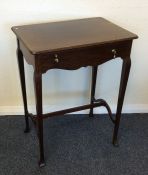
x=71, y=45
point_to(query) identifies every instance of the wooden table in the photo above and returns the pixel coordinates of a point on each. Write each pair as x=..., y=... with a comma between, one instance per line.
x=71, y=45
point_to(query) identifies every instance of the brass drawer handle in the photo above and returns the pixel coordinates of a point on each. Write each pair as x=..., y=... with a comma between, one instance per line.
x=114, y=52
x=56, y=58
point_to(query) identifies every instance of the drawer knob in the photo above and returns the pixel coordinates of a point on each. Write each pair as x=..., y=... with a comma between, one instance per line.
x=114, y=52
x=56, y=58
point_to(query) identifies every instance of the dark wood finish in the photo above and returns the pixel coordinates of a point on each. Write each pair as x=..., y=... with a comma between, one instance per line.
x=55, y=36
x=98, y=103
x=38, y=97
x=105, y=104
x=23, y=85
x=93, y=87
x=78, y=57
x=71, y=45
x=123, y=83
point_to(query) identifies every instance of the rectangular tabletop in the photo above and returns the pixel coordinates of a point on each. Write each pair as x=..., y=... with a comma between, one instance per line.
x=40, y=38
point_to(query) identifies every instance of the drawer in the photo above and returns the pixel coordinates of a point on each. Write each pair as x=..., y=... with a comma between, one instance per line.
x=75, y=58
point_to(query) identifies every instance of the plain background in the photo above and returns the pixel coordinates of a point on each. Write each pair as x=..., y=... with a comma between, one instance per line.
x=62, y=89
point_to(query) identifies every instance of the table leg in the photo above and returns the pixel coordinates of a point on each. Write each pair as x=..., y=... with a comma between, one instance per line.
x=23, y=85
x=93, y=87
x=123, y=83
x=38, y=96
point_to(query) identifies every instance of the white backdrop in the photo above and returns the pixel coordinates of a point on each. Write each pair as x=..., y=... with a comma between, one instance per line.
x=62, y=89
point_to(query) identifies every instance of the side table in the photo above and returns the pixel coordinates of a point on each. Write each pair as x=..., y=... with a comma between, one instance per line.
x=71, y=45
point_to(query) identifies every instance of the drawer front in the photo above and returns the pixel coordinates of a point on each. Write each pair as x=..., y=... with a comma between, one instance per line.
x=80, y=57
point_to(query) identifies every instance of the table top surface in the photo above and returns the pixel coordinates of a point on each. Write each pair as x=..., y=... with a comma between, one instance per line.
x=53, y=36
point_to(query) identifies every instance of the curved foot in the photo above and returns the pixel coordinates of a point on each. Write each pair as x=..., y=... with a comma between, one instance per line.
x=91, y=113
x=41, y=163
x=27, y=130
x=116, y=143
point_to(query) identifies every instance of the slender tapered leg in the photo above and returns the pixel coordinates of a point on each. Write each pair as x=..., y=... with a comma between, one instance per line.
x=123, y=83
x=23, y=85
x=38, y=96
x=93, y=87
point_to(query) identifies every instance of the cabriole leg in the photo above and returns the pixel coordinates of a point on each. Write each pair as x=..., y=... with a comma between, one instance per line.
x=23, y=85
x=123, y=83
x=93, y=87
x=38, y=96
